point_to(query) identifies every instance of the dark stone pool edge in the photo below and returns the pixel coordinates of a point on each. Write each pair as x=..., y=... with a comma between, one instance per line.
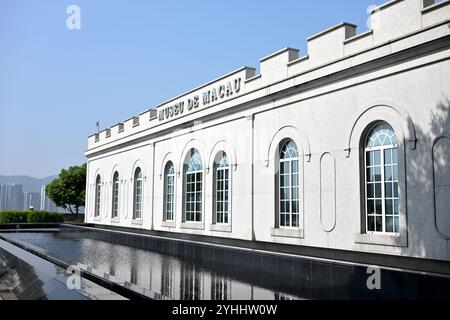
x=346, y=256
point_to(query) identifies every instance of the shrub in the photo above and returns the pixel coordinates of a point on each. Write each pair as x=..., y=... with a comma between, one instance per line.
x=17, y=216
x=43, y=216
x=13, y=216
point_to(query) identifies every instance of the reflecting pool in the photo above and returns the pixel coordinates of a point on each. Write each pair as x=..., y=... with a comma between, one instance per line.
x=166, y=276
x=166, y=268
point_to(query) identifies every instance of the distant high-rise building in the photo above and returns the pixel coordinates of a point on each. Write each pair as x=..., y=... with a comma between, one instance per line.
x=3, y=197
x=31, y=200
x=46, y=203
x=11, y=197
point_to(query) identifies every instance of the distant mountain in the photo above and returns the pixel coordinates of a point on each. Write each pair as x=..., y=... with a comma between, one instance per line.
x=29, y=184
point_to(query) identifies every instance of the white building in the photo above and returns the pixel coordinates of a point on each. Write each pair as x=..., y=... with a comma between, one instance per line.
x=345, y=148
x=46, y=204
x=31, y=199
x=11, y=197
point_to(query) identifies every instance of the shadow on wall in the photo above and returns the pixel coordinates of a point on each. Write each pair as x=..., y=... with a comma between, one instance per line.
x=428, y=178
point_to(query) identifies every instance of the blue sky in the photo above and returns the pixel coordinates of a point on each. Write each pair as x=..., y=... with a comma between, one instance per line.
x=128, y=56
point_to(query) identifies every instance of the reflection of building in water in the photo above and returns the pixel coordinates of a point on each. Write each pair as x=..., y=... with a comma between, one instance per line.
x=134, y=275
x=220, y=288
x=112, y=269
x=164, y=275
x=167, y=279
x=18, y=279
x=280, y=296
x=191, y=284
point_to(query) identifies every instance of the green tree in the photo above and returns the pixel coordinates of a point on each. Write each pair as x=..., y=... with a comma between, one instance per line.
x=68, y=191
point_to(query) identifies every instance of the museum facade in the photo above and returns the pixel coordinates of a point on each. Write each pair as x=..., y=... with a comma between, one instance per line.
x=346, y=148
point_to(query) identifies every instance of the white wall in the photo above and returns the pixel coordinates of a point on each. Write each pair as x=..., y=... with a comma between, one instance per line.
x=327, y=120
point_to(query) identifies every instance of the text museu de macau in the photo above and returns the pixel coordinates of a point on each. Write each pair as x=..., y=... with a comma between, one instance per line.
x=208, y=97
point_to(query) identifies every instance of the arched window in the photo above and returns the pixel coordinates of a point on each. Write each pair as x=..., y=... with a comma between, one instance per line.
x=169, y=192
x=98, y=189
x=381, y=171
x=194, y=187
x=137, y=203
x=115, y=195
x=222, y=188
x=289, y=193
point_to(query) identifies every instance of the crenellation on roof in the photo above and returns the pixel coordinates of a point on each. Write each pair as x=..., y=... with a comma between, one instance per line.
x=390, y=21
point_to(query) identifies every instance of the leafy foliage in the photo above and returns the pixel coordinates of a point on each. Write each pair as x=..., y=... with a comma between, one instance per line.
x=43, y=216
x=68, y=191
x=13, y=216
x=18, y=216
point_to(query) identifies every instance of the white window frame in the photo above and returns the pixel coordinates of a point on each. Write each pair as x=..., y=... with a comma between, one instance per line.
x=168, y=175
x=115, y=195
x=195, y=174
x=195, y=201
x=290, y=187
x=373, y=241
x=137, y=213
x=98, y=190
x=226, y=192
x=383, y=181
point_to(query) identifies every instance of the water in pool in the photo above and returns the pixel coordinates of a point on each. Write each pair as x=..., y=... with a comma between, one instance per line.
x=163, y=276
